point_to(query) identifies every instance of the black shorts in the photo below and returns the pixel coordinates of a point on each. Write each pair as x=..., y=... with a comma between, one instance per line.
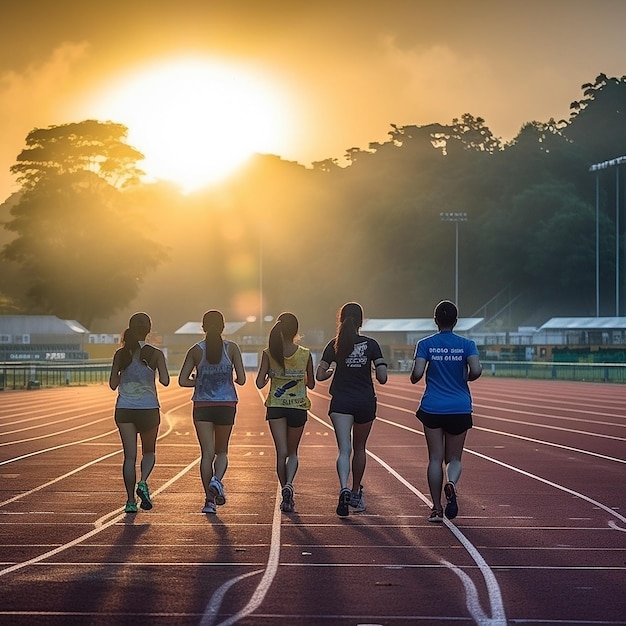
x=219, y=415
x=143, y=419
x=452, y=423
x=295, y=417
x=362, y=412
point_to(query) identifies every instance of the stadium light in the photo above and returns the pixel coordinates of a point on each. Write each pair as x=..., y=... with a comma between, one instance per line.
x=456, y=217
x=597, y=167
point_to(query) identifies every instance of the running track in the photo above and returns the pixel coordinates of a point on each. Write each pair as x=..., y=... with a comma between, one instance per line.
x=540, y=537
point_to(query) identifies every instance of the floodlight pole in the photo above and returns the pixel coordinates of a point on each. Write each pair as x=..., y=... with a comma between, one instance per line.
x=455, y=217
x=596, y=167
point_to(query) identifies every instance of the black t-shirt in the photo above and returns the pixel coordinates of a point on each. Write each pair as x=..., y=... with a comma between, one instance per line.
x=353, y=376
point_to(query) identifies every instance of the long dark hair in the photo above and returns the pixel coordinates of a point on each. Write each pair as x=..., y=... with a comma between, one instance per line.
x=139, y=326
x=213, y=325
x=349, y=320
x=286, y=327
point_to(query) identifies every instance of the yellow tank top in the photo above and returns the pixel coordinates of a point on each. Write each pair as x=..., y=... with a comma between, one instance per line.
x=287, y=389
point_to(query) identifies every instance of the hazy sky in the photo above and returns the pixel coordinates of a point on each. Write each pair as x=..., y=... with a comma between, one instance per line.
x=329, y=74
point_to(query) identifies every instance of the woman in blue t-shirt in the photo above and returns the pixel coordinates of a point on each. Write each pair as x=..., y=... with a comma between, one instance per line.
x=353, y=400
x=445, y=410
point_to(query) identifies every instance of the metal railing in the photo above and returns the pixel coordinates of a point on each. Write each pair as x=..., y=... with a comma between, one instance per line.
x=587, y=372
x=36, y=374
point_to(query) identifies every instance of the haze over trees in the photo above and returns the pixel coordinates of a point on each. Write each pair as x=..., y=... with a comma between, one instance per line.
x=316, y=237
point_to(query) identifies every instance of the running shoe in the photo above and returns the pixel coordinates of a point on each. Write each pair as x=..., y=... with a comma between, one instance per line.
x=216, y=489
x=144, y=495
x=436, y=516
x=452, y=508
x=287, y=505
x=131, y=507
x=357, y=501
x=344, y=502
x=209, y=507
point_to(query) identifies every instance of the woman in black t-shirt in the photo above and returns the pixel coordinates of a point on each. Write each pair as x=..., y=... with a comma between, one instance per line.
x=353, y=399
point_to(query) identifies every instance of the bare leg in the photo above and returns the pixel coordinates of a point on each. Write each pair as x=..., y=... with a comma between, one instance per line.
x=278, y=428
x=294, y=435
x=435, y=443
x=128, y=435
x=222, y=437
x=148, y=448
x=360, y=434
x=342, y=423
x=204, y=430
x=453, y=451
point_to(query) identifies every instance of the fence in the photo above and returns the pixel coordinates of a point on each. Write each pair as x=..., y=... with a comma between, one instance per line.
x=33, y=375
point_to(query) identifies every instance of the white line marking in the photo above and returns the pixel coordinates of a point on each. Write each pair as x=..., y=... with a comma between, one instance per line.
x=473, y=606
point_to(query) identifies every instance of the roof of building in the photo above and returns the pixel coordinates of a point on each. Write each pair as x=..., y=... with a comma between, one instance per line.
x=195, y=328
x=584, y=323
x=424, y=324
x=39, y=325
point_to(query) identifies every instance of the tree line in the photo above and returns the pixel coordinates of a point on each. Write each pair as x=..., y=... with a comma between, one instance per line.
x=85, y=239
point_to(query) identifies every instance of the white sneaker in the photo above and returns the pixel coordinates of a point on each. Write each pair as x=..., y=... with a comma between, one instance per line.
x=209, y=507
x=217, y=491
x=357, y=501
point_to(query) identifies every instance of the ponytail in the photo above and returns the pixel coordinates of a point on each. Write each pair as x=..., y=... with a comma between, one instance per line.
x=286, y=327
x=139, y=326
x=213, y=325
x=349, y=320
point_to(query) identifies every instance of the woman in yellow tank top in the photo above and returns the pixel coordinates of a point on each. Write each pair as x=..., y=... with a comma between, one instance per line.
x=289, y=369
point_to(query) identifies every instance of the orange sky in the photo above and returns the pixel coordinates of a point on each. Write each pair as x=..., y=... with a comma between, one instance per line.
x=347, y=69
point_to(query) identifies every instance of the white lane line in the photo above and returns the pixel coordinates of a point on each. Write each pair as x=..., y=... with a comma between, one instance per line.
x=86, y=465
x=473, y=605
x=550, y=483
x=270, y=571
x=58, y=432
x=529, y=474
x=273, y=559
x=504, y=434
x=213, y=607
x=99, y=526
x=59, y=447
x=471, y=597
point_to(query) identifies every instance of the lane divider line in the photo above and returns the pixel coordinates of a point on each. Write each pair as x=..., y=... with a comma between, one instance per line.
x=471, y=594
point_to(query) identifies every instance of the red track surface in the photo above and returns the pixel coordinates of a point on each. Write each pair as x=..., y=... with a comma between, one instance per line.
x=540, y=537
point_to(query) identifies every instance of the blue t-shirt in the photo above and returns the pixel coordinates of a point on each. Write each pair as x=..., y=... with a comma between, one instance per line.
x=447, y=391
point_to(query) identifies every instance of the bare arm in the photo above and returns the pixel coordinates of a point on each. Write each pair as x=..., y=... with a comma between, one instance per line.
x=161, y=366
x=185, y=376
x=115, y=375
x=381, y=371
x=235, y=357
x=324, y=371
x=419, y=367
x=475, y=368
x=309, y=379
x=263, y=375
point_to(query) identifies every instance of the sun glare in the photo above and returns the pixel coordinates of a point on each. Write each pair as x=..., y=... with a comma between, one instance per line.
x=196, y=121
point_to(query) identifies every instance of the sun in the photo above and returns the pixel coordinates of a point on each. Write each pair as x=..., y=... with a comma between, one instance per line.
x=196, y=120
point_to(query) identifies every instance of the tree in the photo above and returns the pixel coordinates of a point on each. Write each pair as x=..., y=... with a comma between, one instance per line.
x=80, y=245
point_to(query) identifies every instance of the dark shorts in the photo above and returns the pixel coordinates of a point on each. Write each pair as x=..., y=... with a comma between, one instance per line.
x=362, y=412
x=220, y=415
x=143, y=419
x=295, y=417
x=452, y=423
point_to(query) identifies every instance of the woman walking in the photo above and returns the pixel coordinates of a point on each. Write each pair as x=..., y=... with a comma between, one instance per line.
x=208, y=368
x=353, y=400
x=445, y=410
x=289, y=368
x=137, y=409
